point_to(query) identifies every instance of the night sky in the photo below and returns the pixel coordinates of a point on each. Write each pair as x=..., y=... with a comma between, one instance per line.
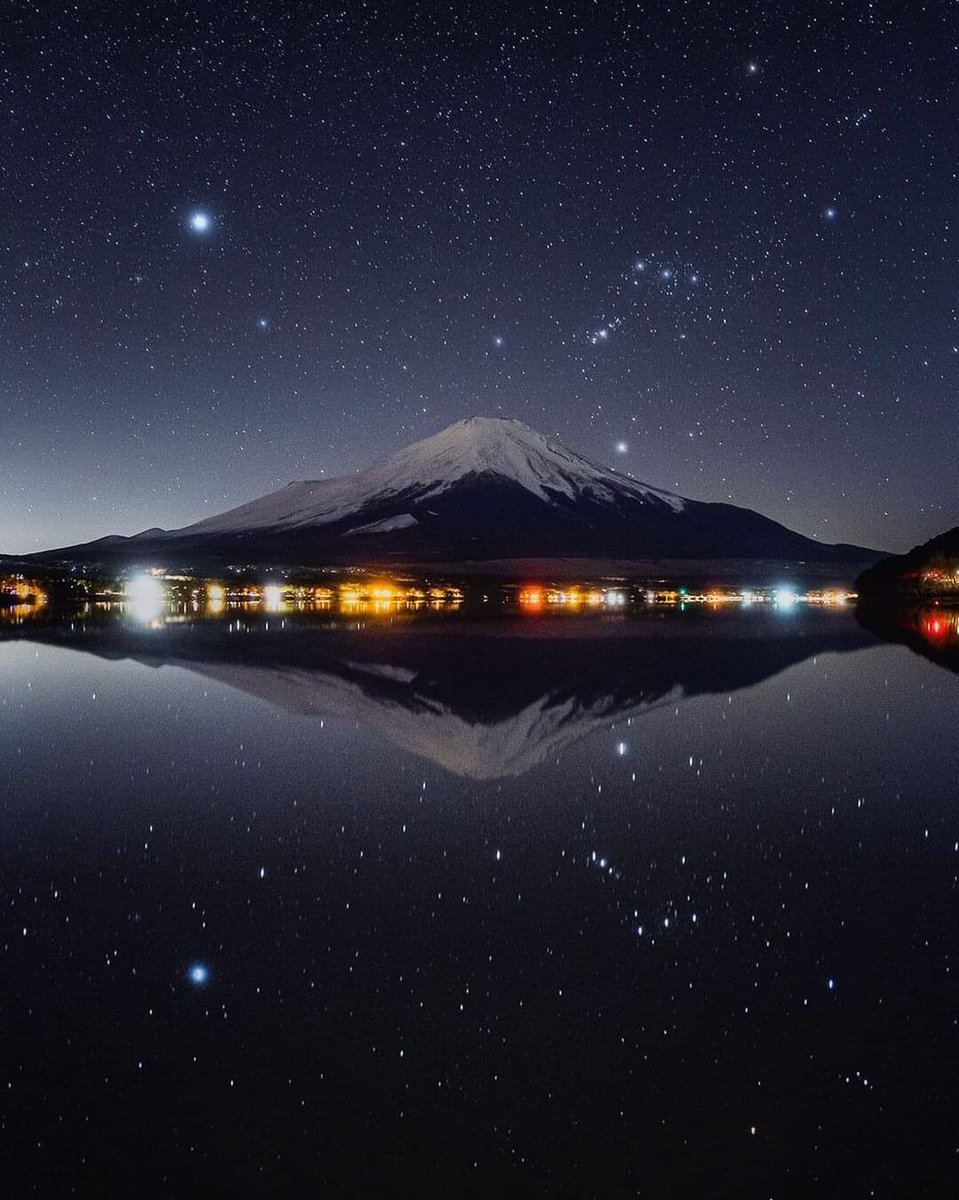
x=711, y=244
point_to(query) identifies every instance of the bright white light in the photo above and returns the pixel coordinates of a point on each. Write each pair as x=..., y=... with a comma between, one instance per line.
x=199, y=973
x=146, y=596
x=273, y=597
x=201, y=222
x=786, y=597
x=622, y=447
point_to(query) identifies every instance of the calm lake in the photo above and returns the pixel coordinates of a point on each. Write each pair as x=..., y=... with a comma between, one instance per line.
x=659, y=905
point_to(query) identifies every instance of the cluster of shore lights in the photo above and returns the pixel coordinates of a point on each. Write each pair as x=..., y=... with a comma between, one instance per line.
x=148, y=593
x=20, y=599
x=537, y=597
x=22, y=591
x=782, y=596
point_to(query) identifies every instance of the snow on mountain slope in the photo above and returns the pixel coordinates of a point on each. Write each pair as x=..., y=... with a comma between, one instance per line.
x=390, y=525
x=479, y=445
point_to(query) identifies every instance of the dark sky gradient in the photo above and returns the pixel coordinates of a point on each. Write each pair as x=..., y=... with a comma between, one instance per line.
x=724, y=234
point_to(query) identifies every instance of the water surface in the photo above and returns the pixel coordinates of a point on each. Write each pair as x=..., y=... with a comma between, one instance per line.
x=658, y=905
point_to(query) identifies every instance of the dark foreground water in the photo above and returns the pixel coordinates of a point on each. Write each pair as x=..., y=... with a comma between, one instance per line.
x=653, y=907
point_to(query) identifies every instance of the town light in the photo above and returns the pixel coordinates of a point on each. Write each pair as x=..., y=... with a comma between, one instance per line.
x=146, y=596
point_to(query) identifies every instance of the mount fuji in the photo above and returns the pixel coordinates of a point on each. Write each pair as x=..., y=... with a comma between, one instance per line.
x=483, y=490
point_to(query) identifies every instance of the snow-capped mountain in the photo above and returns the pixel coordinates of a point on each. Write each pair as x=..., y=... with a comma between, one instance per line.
x=484, y=489
x=471, y=449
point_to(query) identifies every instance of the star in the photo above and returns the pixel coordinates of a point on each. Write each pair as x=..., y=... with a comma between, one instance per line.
x=201, y=222
x=622, y=447
x=263, y=323
x=831, y=213
x=198, y=974
x=498, y=342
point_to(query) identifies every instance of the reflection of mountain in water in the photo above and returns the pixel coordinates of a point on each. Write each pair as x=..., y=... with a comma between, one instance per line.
x=482, y=700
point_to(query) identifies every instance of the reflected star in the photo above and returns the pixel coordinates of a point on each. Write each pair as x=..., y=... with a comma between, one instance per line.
x=198, y=974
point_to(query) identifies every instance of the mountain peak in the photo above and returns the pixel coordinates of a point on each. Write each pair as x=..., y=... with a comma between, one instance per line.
x=507, y=448
x=477, y=426
x=491, y=432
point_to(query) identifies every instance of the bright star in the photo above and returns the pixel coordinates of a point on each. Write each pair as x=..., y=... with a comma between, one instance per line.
x=201, y=222
x=497, y=341
x=666, y=273
x=831, y=213
x=622, y=447
x=263, y=323
x=199, y=973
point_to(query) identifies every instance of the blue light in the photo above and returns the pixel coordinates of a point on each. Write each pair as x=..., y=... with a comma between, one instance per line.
x=201, y=222
x=199, y=974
